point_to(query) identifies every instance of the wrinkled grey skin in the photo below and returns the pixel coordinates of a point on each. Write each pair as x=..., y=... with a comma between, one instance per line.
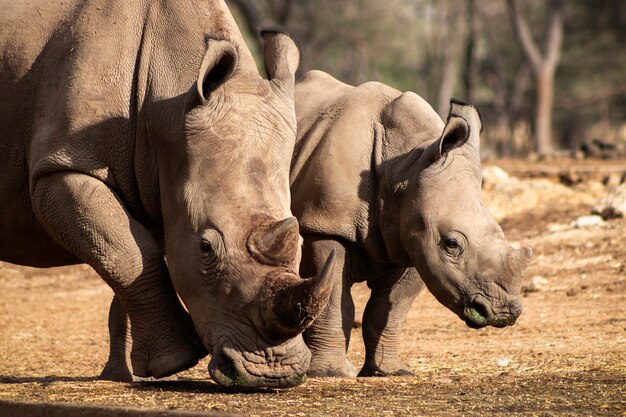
x=134, y=130
x=380, y=179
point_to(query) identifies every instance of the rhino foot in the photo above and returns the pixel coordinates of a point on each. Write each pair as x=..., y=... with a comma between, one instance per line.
x=116, y=372
x=164, y=365
x=120, y=372
x=348, y=370
x=124, y=375
x=151, y=349
x=167, y=350
x=375, y=371
x=171, y=358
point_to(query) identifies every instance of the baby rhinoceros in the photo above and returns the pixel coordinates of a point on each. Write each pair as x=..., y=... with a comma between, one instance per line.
x=378, y=177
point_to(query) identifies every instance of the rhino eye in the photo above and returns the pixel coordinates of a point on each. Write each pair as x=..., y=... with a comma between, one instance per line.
x=452, y=244
x=205, y=246
x=452, y=247
x=211, y=245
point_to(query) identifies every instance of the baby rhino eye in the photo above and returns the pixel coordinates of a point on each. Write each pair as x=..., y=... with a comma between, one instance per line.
x=452, y=244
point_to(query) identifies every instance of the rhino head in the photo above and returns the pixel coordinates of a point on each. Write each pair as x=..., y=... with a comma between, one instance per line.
x=232, y=245
x=447, y=232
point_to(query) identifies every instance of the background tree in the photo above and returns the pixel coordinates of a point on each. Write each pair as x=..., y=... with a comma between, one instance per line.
x=543, y=66
x=474, y=50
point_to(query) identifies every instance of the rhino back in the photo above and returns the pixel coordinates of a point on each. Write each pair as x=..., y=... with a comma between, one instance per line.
x=333, y=182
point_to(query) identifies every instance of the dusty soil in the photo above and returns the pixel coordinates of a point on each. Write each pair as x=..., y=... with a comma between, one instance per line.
x=565, y=356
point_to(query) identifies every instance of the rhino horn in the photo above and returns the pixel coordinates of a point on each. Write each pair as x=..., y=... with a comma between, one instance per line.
x=276, y=243
x=518, y=260
x=524, y=255
x=299, y=305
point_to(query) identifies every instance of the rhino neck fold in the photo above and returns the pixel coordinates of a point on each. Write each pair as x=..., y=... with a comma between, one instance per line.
x=392, y=164
x=409, y=126
x=146, y=166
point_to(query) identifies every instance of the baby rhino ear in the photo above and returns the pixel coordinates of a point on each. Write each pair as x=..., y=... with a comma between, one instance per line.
x=462, y=128
x=455, y=134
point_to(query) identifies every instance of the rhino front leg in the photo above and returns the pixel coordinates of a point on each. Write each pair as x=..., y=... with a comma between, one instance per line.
x=329, y=335
x=384, y=316
x=118, y=366
x=89, y=219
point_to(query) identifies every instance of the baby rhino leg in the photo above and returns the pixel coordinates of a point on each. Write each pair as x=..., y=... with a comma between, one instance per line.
x=329, y=335
x=384, y=316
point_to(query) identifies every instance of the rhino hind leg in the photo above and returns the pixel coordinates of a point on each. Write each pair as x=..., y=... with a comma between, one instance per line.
x=383, y=318
x=85, y=216
x=329, y=335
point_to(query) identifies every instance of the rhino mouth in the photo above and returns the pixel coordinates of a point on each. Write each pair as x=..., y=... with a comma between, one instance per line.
x=479, y=314
x=272, y=367
x=475, y=316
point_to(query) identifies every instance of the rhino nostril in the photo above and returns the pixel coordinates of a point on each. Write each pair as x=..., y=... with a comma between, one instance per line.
x=480, y=309
x=475, y=315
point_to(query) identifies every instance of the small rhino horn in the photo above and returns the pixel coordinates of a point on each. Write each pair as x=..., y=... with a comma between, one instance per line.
x=277, y=243
x=518, y=262
x=524, y=255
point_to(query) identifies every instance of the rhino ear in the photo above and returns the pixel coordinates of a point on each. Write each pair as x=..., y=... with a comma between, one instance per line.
x=218, y=65
x=281, y=57
x=463, y=127
x=455, y=134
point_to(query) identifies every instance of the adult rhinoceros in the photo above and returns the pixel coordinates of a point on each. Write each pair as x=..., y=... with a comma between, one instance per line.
x=134, y=129
x=379, y=178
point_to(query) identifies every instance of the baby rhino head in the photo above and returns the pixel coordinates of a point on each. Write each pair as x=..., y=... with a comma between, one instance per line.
x=449, y=235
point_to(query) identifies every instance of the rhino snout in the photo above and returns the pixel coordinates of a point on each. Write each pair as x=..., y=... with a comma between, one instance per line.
x=480, y=313
x=233, y=369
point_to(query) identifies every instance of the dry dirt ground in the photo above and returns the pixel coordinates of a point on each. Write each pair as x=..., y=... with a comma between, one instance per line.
x=565, y=356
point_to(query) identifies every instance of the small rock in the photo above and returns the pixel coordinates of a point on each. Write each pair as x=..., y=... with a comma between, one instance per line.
x=613, y=180
x=572, y=292
x=570, y=178
x=613, y=205
x=503, y=361
x=536, y=284
x=494, y=175
x=585, y=221
x=557, y=227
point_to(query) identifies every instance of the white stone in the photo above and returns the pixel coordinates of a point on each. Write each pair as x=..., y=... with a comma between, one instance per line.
x=585, y=221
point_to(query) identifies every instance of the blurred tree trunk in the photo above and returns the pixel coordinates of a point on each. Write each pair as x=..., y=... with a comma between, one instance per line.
x=507, y=75
x=444, y=44
x=469, y=72
x=269, y=14
x=252, y=14
x=446, y=88
x=543, y=67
